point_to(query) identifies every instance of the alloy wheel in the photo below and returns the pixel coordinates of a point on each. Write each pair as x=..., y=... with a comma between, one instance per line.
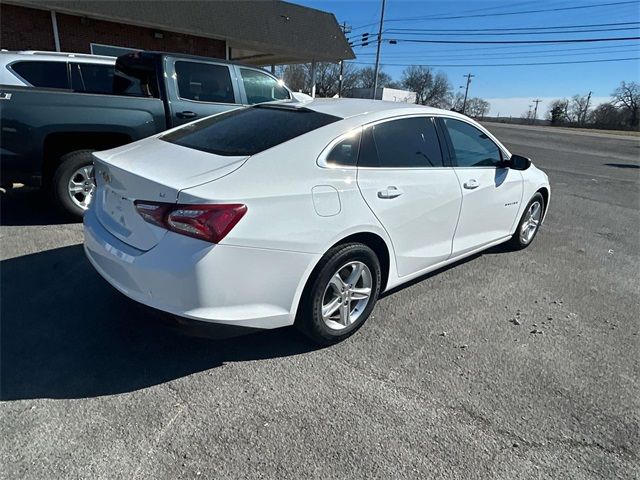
x=347, y=295
x=531, y=223
x=82, y=186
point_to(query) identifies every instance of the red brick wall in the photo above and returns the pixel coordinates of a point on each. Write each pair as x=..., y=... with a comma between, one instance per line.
x=26, y=28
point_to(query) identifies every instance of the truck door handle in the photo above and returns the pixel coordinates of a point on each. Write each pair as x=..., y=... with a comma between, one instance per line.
x=390, y=192
x=186, y=114
x=471, y=184
x=5, y=96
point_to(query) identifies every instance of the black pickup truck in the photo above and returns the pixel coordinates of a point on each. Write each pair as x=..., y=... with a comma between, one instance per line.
x=47, y=135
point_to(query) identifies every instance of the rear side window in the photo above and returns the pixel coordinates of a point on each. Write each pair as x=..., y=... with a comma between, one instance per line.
x=92, y=78
x=43, y=74
x=248, y=131
x=260, y=87
x=404, y=143
x=345, y=152
x=204, y=82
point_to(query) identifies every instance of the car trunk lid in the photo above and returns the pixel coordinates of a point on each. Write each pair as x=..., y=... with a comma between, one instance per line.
x=150, y=170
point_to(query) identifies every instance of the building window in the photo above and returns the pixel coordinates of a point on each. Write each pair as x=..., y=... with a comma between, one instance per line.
x=111, y=50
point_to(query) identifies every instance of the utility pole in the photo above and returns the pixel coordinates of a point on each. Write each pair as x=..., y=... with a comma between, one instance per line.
x=586, y=108
x=375, y=81
x=345, y=30
x=466, y=92
x=535, y=112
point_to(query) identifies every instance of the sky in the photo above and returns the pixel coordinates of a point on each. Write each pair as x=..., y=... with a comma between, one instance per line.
x=509, y=89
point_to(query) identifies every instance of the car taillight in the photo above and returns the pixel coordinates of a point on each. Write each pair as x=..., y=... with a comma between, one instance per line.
x=210, y=222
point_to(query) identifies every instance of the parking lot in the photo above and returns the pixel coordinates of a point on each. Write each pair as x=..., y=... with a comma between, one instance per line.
x=446, y=380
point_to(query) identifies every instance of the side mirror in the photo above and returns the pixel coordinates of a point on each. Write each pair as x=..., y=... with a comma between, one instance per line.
x=518, y=162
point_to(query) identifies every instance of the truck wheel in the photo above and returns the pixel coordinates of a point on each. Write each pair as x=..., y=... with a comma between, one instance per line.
x=74, y=182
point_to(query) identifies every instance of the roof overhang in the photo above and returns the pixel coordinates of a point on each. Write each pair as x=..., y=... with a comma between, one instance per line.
x=258, y=32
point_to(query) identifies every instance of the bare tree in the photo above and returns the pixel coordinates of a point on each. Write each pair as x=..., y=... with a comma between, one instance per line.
x=298, y=77
x=430, y=89
x=627, y=96
x=606, y=115
x=558, y=112
x=456, y=102
x=578, y=109
x=365, y=78
x=477, y=107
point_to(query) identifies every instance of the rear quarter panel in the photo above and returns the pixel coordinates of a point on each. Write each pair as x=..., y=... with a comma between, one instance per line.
x=276, y=185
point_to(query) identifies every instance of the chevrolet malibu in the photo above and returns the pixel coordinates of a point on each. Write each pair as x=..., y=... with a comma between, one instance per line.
x=302, y=214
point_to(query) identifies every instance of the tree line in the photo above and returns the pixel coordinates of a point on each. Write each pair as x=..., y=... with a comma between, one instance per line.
x=621, y=112
x=432, y=88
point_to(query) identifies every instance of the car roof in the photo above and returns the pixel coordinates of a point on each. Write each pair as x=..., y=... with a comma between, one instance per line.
x=352, y=107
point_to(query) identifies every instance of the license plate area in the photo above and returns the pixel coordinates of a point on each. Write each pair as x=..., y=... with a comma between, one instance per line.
x=118, y=207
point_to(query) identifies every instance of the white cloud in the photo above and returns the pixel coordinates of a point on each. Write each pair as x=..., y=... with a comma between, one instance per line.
x=516, y=106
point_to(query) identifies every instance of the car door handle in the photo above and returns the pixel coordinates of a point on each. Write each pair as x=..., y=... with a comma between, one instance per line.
x=186, y=114
x=390, y=192
x=471, y=184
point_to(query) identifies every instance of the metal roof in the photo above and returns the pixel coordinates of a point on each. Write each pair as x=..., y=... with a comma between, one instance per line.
x=276, y=31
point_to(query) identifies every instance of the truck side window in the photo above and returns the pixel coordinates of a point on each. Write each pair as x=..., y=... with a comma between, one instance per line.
x=204, y=82
x=43, y=74
x=261, y=87
x=92, y=78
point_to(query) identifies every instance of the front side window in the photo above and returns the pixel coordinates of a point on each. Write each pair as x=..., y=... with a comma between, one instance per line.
x=471, y=147
x=204, y=82
x=247, y=131
x=43, y=74
x=261, y=88
x=404, y=143
x=92, y=78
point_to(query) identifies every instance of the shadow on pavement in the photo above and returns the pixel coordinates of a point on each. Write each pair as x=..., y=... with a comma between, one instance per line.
x=67, y=334
x=623, y=165
x=29, y=206
x=498, y=249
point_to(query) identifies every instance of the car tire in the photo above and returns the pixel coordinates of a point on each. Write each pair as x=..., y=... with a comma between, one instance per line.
x=358, y=269
x=75, y=173
x=529, y=223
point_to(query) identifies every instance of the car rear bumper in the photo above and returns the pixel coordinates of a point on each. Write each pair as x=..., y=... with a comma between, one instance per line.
x=249, y=287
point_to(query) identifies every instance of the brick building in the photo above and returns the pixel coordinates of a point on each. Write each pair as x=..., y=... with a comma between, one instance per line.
x=263, y=32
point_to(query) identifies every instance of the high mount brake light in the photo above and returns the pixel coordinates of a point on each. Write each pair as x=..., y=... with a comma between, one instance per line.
x=210, y=222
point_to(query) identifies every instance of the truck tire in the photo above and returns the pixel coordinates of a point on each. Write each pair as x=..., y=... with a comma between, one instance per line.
x=73, y=183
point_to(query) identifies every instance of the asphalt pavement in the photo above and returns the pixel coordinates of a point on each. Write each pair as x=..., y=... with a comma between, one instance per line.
x=446, y=380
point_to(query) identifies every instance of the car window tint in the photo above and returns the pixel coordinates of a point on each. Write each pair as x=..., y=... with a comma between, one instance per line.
x=92, y=78
x=261, y=87
x=471, y=147
x=345, y=152
x=43, y=74
x=403, y=143
x=204, y=82
x=247, y=131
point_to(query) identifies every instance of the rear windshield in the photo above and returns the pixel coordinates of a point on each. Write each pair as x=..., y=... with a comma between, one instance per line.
x=248, y=131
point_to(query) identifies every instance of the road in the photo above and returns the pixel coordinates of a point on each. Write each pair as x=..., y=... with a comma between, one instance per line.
x=441, y=382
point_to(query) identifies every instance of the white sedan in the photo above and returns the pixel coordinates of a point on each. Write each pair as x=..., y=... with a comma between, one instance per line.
x=290, y=214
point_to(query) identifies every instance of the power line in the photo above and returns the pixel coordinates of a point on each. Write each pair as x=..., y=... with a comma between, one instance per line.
x=508, y=48
x=522, y=12
x=564, y=40
x=502, y=64
x=394, y=31
x=498, y=56
x=616, y=24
